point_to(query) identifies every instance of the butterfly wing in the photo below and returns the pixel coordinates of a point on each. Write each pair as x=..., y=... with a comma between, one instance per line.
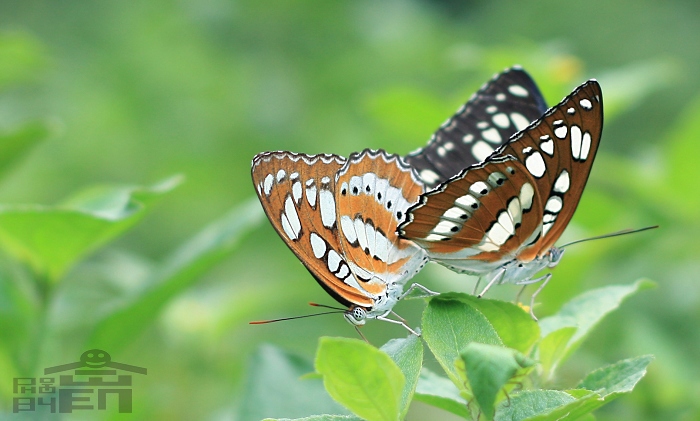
x=375, y=191
x=479, y=219
x=297, y=192
x=558, y=151
x=504, y=105
x=518, y=202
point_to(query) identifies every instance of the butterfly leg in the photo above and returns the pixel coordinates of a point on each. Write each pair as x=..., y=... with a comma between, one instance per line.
x=499, y=276
x=517, y=297
x=547, y=277
x=476, y=286
x=357, y=328
x=544, y=279
x=398, y=322
x=423, y=293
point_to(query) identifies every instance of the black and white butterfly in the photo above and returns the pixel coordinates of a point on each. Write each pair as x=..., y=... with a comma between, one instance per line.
x=502, y=107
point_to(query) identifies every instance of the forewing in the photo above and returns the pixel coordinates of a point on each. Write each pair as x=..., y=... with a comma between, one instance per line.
x=375, y=191
x=297, y=193
x=503, y=106
x=479, y=219
x=558, y=151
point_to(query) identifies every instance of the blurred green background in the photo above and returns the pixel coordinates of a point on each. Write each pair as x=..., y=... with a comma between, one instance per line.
x=131, y=93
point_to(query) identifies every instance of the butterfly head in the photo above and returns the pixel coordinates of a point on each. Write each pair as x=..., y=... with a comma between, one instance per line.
x=356, y=315
x=517, y=271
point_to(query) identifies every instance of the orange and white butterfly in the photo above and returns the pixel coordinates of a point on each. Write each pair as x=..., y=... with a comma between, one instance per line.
x=499, y=219
x=339, y=217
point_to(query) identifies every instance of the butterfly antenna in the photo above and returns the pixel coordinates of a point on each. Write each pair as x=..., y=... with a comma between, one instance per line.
x=262, y=322
x=326, y=306
x=613, y=234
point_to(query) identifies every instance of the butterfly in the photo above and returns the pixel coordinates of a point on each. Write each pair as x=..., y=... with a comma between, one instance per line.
x=499, y=219
x=339, y=216
x=503, y=106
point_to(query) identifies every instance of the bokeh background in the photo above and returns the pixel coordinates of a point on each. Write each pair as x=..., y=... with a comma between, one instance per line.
x=135, y=92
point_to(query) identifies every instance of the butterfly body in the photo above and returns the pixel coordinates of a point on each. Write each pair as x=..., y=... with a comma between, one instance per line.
x=499, y=219
x=339, y=217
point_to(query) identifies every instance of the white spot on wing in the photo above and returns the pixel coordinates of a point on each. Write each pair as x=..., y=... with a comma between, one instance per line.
x=479, y=188
x=518, y=90
x=291, y=211
x=527, y=192
x=514, y=210
x=296, y=192
x=382, y=246
x=318, y=245
x=585, y=146
x=481, y=150
x=546, y=227
x=280, y=175
x=360, y=232
x=382, y=186
x=501, y=120
x=519, y=120
x=369, y=180
x=434, y=237
x=547, y=146
x=327, y=205
x=348, y=228
x=562, y=183
x=468, y=138
x=586, y=104
x=467, y=201
x=576, y=141
x=535, y=164
x=333, y=260
x=267, y=184
x=311, y=195
x=505, y=221
x=454, y=213
x=343, y=272
x=560, y=131
x=429, y=176
x=554, y=204
x=491, y=135
x=444, y=227
x=288, y=228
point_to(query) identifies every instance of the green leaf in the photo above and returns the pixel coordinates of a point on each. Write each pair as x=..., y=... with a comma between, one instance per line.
x=180, y=270
x=15, y=145
x=52, y=238
x=617, y=378
x=273, y=388
x=450, y=324
x=514, y=326
x=407, y=353
x=547, y=405
x=440, y=392
x=552, y=349
x=362, y=378
x=598, y=388
x=319, y=418
x=488, y=369
x=584, y=313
